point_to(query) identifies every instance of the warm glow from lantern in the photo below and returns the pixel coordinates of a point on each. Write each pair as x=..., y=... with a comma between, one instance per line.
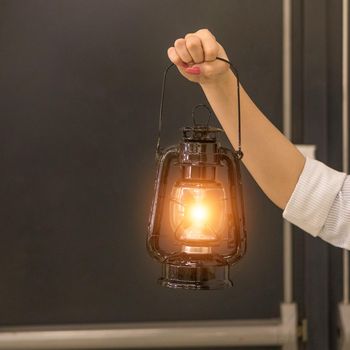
x=199, y=214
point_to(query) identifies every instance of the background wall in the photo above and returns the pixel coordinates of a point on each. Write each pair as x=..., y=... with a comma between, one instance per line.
x=79, y=96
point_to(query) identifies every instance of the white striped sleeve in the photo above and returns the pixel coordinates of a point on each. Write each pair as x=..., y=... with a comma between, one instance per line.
x=320, y=203
x=337, y=226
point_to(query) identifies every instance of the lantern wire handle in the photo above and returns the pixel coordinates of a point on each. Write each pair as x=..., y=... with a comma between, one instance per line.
x=238, y=152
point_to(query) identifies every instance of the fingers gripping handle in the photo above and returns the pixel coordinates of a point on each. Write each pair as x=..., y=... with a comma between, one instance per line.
x=238, y=152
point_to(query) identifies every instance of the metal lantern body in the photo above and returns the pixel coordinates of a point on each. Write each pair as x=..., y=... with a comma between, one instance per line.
x=196, y=227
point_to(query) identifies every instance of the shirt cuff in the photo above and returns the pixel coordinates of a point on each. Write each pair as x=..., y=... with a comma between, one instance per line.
x=313, y=196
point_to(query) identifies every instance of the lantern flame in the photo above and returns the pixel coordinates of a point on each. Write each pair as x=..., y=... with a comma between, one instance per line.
x=199, y=213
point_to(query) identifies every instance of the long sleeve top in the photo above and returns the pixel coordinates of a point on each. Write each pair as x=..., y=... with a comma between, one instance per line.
x=320, y=203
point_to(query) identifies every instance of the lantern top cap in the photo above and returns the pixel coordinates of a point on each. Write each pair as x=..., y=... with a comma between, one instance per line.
x=200, y=133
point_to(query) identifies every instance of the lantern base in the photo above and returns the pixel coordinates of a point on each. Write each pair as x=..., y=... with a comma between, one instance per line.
x=199, y=278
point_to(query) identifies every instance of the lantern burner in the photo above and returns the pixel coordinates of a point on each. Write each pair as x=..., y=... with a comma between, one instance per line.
x=196, y=250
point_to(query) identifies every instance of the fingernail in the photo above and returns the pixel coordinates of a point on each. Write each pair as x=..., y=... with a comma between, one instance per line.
x=193, y=70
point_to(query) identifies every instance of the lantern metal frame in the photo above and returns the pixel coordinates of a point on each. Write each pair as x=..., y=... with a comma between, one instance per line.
x=199, y=150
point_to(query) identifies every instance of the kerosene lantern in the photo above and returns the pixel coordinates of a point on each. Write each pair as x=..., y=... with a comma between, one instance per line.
x=196, y=228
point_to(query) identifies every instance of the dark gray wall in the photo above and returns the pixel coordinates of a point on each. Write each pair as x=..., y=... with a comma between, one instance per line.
x=79, y=96
x=79, y=89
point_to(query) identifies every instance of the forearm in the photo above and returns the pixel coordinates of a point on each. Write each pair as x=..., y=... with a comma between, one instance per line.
x=274, y=162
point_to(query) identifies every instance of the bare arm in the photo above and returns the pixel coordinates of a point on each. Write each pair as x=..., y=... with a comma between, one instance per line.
x=274, y=162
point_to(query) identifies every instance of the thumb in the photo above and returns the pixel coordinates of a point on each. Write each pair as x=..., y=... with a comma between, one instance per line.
x=208, y=70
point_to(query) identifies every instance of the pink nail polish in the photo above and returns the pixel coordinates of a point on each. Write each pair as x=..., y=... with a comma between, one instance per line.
x=193, y=70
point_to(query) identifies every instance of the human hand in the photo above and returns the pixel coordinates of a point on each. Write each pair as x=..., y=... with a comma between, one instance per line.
x=195, y=57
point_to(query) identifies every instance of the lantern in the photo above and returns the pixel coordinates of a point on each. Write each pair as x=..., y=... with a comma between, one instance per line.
x=196, y=227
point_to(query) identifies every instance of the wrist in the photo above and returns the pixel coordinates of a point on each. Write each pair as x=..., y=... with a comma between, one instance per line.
x=223, y=85
x=223, y=80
